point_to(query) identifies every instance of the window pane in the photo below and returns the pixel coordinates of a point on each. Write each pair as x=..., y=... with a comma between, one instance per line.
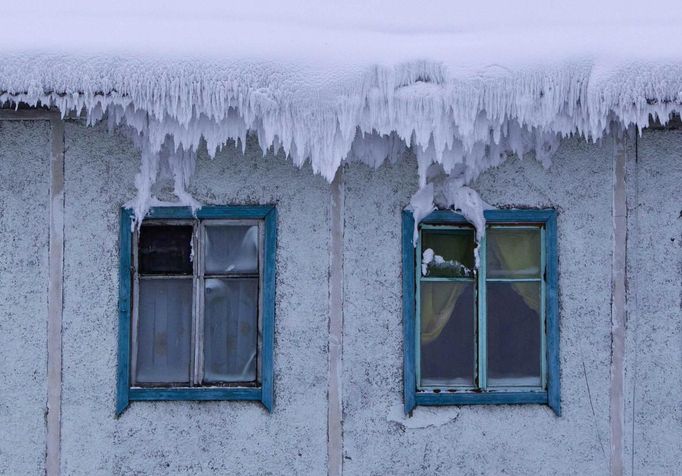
x=164, y=331
x=448, y=253
x=513, y=253
x=231, y=249
x=447, y=334
x=165, y=249
x=514, y=334
x=230, y=330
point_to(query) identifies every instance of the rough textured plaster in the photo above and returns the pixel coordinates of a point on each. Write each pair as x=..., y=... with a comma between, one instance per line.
x=192, y=437
x=24, y=179
x=524, y=439
x=195, y=438
x=653, y=412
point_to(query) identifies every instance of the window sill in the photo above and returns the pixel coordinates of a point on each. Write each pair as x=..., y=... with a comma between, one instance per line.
x=482, y=398
x=139, y=394
x=196, y=393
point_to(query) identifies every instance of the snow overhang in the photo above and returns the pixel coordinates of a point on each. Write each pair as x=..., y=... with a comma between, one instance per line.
x=464, y=86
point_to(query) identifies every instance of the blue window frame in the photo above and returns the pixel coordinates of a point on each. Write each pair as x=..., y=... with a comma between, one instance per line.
x=177, y=341
x=488, y=335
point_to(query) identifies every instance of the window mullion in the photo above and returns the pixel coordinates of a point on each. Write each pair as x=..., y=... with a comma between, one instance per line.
x=482, y=322
x=200, y=299
x=136, y=306
x=197, y=308
x=543, y=324
x=417, y=314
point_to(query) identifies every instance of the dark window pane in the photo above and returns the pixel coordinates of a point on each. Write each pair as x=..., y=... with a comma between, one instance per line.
x=448, y=253
x=513, y=253
x=514, y=334
x=230, y=330
x=164, y=331
x=165, y=249
x=231, y=249
x=447, y=334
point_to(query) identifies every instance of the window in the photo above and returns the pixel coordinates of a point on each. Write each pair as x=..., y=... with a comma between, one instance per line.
x=196, y=305
x=488, y=335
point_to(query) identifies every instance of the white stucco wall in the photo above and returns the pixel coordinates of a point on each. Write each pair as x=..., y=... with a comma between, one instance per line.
x=192, y=437
x=653, y=410
x=242, y=438
x=24, y=199
x=525, y=439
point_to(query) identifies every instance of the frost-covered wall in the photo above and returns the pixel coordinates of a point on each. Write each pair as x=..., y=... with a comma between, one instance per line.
x=241, y=438
x=24, y=199
x=653, y=407
x=191, y=437
x=480, y=439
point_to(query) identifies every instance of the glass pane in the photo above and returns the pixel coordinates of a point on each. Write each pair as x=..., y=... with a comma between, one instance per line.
x=231, y=249
x=164, y=331
x=447, y=334
x=165, y=249
x=513, y=253
x=514, y=334
x=230, y=330
x=448, y=253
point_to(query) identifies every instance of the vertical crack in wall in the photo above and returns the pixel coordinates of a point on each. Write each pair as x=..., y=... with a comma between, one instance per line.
x=617, y=377
x=334, y=393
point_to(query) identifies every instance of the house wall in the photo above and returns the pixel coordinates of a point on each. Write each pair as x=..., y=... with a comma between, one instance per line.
x=241, y=437
x=521, y=439
x=653, y=391
x=191, y=437
x=24, y=199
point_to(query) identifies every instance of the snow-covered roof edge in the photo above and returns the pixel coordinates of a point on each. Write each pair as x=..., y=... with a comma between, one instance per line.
x=465, y=85
x=465, y=125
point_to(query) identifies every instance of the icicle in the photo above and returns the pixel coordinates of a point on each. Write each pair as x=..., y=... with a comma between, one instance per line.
x=469, y=203
x=421, y=205
x=467, y=124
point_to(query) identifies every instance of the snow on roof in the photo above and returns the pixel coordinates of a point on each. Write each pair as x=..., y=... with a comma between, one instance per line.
x=464, y=85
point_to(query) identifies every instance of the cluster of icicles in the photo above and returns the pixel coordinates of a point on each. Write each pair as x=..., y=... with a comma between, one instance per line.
x=455, y=128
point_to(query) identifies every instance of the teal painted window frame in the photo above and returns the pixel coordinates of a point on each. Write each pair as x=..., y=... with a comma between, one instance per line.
x=550, y=394
x=265, y=392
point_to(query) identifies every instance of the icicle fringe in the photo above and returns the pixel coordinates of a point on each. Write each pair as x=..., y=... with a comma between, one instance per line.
x=466, y=125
